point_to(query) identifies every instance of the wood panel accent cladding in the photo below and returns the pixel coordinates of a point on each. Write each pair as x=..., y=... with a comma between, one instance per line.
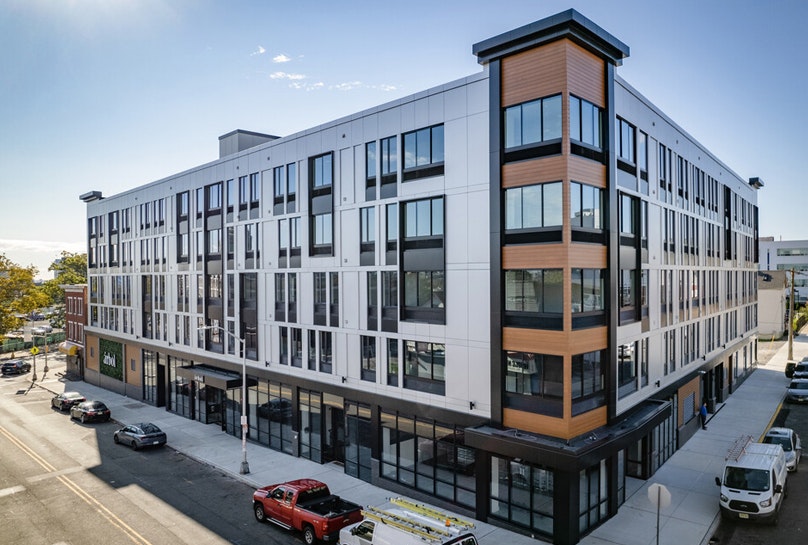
x=564, y=428
x=554, y=256
x=586, y=74
x=534, y=74
x=560, y=66
x=557, y=343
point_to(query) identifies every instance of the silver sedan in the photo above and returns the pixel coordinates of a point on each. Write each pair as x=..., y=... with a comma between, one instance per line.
x=140, y=435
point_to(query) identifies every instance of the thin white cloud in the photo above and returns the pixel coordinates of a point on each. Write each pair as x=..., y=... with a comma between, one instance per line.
x=287, y=75
x=347, y=86
x=307, y=86
x=259, y=51
x=385, y=87
x=281, y=58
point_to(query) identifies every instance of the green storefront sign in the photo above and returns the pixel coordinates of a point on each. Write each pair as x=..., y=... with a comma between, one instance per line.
x=111, y=363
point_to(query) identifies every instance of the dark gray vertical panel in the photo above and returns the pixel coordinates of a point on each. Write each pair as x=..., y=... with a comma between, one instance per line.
x=613, y=241
x=496, y=236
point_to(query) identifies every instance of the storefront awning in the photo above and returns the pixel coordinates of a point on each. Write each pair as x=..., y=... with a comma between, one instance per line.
x=69, y=348
x=217, y=378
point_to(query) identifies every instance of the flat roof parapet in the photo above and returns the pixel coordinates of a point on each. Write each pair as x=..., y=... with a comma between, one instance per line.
x=567, y=24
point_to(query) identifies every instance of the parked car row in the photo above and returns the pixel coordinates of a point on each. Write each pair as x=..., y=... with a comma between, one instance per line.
x=144, y=434
x=797, y=391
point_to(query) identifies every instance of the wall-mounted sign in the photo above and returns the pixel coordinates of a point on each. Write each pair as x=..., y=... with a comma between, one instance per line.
x=111, y=363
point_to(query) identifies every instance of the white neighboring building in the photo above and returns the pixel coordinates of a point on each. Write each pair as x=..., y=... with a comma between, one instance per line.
x=784, y=255
x=772, y=304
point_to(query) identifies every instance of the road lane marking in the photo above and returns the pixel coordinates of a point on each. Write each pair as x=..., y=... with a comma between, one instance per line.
x=100, y=508
x=12, y=490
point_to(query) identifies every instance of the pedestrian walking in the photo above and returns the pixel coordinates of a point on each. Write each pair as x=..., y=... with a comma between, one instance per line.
x=703, y=415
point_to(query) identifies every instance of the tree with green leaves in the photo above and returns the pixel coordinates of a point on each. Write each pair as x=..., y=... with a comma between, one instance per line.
x=69, y=269
x=19, y=296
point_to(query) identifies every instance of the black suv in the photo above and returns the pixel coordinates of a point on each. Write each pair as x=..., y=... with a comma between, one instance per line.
x=16, y=367
x=801, y=370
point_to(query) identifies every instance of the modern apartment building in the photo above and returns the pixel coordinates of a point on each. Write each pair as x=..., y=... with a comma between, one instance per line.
x=507, y=294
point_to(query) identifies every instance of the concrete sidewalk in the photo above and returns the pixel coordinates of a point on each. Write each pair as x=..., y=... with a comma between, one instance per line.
x=689, y=474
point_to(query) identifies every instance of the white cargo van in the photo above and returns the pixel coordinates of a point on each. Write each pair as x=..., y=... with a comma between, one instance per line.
x=408, y=524
x=754, y=482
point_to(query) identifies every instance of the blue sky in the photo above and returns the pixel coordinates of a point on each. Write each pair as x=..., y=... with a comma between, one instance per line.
x=111, y=94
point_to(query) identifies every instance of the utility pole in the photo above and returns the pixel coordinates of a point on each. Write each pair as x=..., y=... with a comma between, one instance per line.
x=791, y=319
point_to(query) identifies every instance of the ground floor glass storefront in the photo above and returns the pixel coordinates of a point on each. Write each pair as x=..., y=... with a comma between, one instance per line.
x=522, y=494
x=428, y=456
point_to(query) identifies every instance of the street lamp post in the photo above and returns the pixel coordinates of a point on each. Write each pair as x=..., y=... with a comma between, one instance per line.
x=245, y=467
x=35, y=351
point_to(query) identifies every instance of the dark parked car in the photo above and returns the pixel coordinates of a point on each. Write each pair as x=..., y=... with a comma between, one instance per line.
x=797, y=391
x=87, y=411
x=16, y=367
x=64, y=401
x=141, y=435
x=792, y=365
x=801, y=370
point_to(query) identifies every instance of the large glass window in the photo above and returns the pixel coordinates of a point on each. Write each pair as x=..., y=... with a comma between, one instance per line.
x=626, y=135
x=522, y=494
x=585, y=122
x=392, y=362
x=588, y=381
x=424, y=218
x=389, y=155
x=588, y=287
x=627, y=368
x=424, y=289
x=593, y=496
x=424, y=367
x=586, y=206
x=323, y=230
x=368, y=357
x=533, y=206
x=534, y=290
x=533, y=122
x=322, y=171
x=539, y=375
x=423, y=147
x=428, y=455
x=370, y=160
x=367, y=225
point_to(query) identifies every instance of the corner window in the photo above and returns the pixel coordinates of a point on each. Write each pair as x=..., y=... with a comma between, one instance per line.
x=586, y=124
x=588, y=381
x=534, y=290
x=533, y=206
x=533, y=122
x=586, y=206
x=588, y=287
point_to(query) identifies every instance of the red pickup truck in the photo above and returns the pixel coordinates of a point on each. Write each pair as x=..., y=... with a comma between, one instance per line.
x=306, y=505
